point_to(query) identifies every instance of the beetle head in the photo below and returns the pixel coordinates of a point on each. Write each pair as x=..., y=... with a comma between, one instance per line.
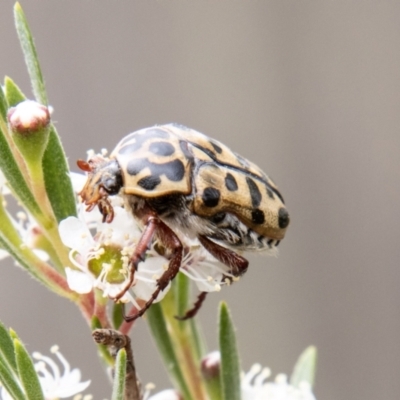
x=104, y=179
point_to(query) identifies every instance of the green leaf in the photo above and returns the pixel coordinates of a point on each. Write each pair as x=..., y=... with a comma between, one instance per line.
x=14, y=176
x=3, y=105
x=7, y=354
x=57, y=181
x=305, y=368
x=9, y=381
x=165, y=346
x=13, y=93
x=119, y=377
x=27, y=373
x=117, y=315
x=182, y=290
x=197, y=337
x=30, y=55
x=230, y=365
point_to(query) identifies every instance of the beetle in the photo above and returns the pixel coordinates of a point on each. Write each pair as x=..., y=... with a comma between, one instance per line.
x=175, y=179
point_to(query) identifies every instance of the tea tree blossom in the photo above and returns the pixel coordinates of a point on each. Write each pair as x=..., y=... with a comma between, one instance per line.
x=56, y=383
x=254, y=386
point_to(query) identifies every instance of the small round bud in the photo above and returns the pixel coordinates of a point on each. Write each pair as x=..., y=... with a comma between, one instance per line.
x=27, y=117
x=211, y=365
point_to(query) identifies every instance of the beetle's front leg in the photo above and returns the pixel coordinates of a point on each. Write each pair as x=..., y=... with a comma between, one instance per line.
x=170, y=241
x=140, y=252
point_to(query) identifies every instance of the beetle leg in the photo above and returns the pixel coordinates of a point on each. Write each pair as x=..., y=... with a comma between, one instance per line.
x=139, y=253
x=168, y=239
x=196, y=307
x=237, y=264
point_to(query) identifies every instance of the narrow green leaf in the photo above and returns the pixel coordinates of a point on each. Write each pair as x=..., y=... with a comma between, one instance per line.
x=13, y=334
x=181, y=285
x=197, y=337
x=95, y=323
x=56, y=176
x=117, y=314
x=9, y=381
x=230, y=365
x=27, y=373
x=13, y=93
x=30, y=55
x=165, y=346
x=305, y=368
x=3, y=105
x=14, y=176
x=7, y=354
x=119, y=377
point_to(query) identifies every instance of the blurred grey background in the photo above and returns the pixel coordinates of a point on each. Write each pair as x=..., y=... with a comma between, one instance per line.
x=308, y=90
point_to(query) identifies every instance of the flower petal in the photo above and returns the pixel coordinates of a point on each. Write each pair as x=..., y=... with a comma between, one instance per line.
x=78, y=281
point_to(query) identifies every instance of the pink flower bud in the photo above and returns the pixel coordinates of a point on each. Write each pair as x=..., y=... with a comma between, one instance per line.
x=211, y=365
x=28, y=116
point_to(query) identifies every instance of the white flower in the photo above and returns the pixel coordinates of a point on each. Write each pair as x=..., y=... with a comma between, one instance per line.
x=27, y=228
x=56, y=384
x=204, y=270
x=102, y=258
x=254, y=386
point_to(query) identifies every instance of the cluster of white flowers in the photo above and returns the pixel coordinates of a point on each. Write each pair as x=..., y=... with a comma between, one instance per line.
x=100, y=253
x=254, y=386
x=56, y=384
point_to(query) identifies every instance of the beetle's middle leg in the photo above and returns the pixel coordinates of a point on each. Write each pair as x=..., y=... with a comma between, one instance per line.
x=237, y=264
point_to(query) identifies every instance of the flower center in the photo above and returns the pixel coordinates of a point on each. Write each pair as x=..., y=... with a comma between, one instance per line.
x=109, y=261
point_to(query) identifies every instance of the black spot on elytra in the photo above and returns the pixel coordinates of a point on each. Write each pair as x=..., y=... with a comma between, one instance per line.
x=162, y=148
x=149, y=182
x=257, y=216
x=140, y=139
x=211, y=197
x=283, y=219
x=173, y=170
x=255, y=193
x=216, y=147
x=230, y=182
x=270, y=193
x=135, y=165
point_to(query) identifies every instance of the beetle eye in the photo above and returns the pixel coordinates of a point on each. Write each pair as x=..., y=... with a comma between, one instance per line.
x=112, y=184
x=217, y=218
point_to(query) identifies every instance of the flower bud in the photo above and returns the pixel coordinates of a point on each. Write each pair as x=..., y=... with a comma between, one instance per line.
x=29, y=123
x=211, y=369
x=211, y=365
x=28, y=117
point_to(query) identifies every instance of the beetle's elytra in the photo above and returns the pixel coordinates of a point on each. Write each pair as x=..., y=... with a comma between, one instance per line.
x=175, y=179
